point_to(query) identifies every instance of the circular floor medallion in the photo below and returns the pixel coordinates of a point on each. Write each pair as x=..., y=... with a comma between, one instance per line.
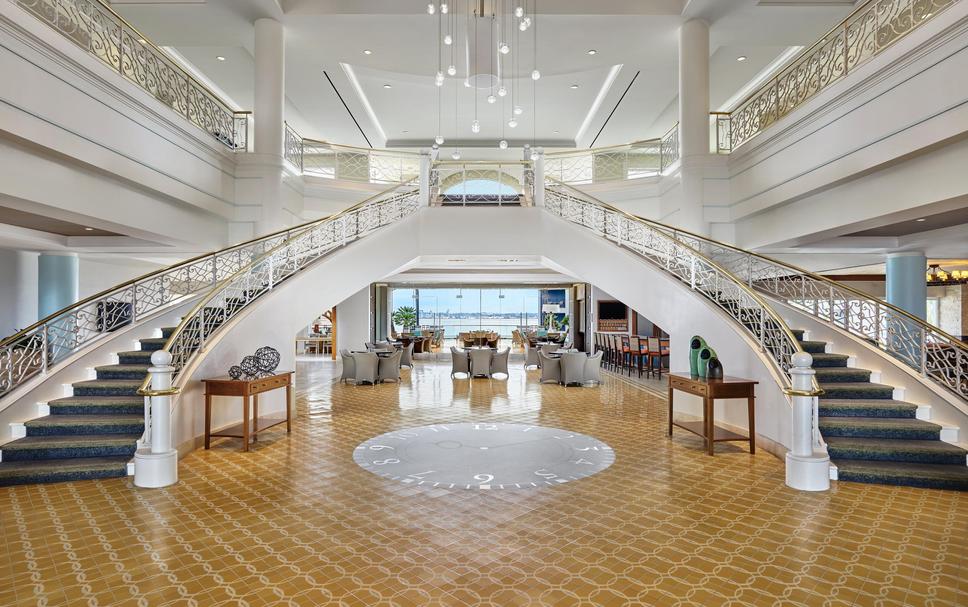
x=484, y=456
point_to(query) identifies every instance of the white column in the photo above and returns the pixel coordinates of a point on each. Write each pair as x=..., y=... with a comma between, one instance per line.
x=539, y=177
x=156, y=464
x=693, y=122
x=270, y=86
x=18, y=290
x=806, y=469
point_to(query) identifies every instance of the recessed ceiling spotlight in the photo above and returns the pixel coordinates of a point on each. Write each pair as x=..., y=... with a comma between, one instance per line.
x=387, y=86
x=592, y=51
x=922, y=219
x=367, y=51
x=89, y=229
x=574, y=86
x=557, y=131
x=404, y=132
x=741, y=58
x=220, y=58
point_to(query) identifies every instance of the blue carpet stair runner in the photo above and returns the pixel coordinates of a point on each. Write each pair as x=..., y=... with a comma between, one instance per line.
x=92, y=434
x=873, y=438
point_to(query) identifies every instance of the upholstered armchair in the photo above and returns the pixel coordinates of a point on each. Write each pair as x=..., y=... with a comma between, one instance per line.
x=349, y=365
x=499, y=363
x=550, y=368
x=460, y=362
x=388, y=368
x=573, y=368
x=593, y=368
x=481, y=363
x=367, y=364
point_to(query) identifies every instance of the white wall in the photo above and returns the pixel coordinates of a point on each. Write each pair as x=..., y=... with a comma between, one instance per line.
x=96, y=275
x=18, y=290
x=353, y=321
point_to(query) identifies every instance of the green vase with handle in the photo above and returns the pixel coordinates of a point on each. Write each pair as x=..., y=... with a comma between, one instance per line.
x=696, y=344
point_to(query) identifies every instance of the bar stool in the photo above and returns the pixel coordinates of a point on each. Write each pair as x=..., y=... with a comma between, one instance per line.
x=635, y=355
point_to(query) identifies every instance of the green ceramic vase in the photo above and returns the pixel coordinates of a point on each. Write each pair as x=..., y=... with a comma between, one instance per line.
x=705, y=355
x=695, y=345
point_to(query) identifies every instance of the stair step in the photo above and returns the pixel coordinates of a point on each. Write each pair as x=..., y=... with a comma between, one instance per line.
x=879, y=427
x=57, y=470
x=135, y=357
x=97, y=405
x=167, y=331
x=823, y=360
x=818, y=347
x=151, y=344
x=895, y=450
x=798, y=333
x=859, y=407
x=857, y=390
x=840, y=375
x=69, y=446
x=107, y=387
x=122, y=372
x=56, y=425
x=931, y=476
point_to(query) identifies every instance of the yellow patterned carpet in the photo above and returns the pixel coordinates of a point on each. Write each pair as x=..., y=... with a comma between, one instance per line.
x=297, y=522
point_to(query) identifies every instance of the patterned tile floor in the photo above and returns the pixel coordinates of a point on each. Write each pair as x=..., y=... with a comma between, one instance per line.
x=296, y=522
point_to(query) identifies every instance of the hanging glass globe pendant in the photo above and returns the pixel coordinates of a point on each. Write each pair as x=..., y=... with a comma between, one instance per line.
x=518, y=110
x=512, y=123
x=439, y=139
x=504, y=48
x=448, y=39
x=535, y=75
x=491, y=99
x=503, y=145
x=502, y=91
x=452, y=70
x=476, y=126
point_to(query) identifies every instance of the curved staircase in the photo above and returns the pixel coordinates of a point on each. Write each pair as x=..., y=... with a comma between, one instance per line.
x=91, y=434
x=873, y=438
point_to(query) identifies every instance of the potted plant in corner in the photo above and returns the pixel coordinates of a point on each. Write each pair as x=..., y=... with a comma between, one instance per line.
x=406, y=317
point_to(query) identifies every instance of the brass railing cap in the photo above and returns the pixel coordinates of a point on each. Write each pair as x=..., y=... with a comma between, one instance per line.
x=166, y=392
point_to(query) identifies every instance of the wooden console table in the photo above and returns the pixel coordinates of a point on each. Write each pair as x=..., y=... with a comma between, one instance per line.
x=710, y=390
x=246, y=388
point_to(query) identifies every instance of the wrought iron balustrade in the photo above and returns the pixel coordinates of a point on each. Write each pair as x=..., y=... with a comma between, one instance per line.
x=98, y=29
x=646, y=158
x=870, y=29
x=920, y=346
x=332, y=161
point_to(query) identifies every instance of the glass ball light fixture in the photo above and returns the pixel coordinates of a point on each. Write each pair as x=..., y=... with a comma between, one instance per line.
x=512, y=123
x=503, y=144
x=455, y=155
x=444, y=9
x=439, y=139
x=448, y=39
x=452, y=70
x=491, y=99
x=535, y=75
x=476, y=126
x=504, y=48
x=431, y=9
x=502, y=91
x=518, y=110
x=519, y=12
x=439, y=79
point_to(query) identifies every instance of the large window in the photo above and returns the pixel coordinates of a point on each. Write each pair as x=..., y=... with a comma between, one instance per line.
x=469, y=309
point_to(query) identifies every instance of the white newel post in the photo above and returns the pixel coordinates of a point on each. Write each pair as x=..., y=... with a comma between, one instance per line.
x=805, y=469
x=539, y=178
x=157, y=465
x=425, y=178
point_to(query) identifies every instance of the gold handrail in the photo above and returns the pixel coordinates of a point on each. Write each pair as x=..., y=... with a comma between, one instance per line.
x=214, y=291
x=742, y=284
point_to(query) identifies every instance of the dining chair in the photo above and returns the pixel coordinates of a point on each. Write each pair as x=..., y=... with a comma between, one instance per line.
x=655, y=356
x=531, y=356
x=349, y=365
x=593, y=369
x=388, y=367
x=499, y=363
x=367, y=366
x=573, y=368
x=407, y=356
x=635, y=354
x=550, y=368
x=481, y=363
x=459, y=362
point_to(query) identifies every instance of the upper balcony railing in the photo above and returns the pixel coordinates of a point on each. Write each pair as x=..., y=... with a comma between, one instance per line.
x=870, y=29
x=617, y=163
x=332, y=161
x=95, y=27
x=458, y=182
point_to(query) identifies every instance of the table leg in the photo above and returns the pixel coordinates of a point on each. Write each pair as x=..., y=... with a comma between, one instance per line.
x=245, y=422
x=751, y=405
x=255, y=417
x=208, y=420
x=709, y=417
x=289, y=407
x=670, y=410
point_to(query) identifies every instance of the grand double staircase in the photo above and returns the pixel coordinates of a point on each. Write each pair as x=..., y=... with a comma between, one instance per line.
x=869, y=435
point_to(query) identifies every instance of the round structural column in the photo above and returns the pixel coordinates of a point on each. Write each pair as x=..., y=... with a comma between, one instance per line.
x=57, y=281
x=906, y=286
x=270, y=87
x=693, y=122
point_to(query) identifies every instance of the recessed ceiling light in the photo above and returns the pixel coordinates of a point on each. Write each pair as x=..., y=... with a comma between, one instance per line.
x=220, y=58
x=574, y=86
x=387, y=86
x=557, y=131
x=741, y=58
x=922, y=219
x=592, y=51
x=367, y=51
x=89, y=229
x=404, y=132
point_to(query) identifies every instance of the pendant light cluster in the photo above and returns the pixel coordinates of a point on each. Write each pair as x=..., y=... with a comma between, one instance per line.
x=477, y=37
